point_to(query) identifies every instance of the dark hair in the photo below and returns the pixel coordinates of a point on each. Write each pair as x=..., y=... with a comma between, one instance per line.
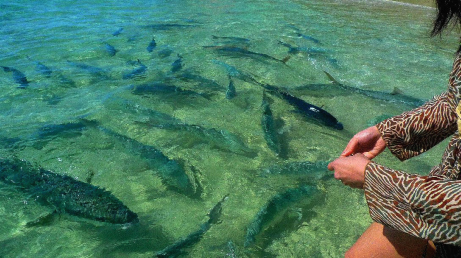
x=447, y=11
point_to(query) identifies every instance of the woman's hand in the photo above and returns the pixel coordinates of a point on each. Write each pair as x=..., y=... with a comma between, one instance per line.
x=367, y=142
x=350, y=170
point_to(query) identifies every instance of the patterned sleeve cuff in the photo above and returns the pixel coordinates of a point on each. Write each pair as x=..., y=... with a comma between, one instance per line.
x=383, y=201
x=422, y=206
x=416, y=131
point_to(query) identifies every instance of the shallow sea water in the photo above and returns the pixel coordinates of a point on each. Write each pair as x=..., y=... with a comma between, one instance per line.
x=369, y=45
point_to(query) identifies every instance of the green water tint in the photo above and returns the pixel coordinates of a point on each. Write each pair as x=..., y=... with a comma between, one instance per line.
x=124, y=97
x=65, y=194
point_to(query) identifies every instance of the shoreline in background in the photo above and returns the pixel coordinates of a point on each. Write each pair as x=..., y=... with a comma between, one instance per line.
x=429, y=3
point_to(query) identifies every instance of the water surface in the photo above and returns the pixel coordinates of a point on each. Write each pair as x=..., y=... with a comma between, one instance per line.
x=85, y=60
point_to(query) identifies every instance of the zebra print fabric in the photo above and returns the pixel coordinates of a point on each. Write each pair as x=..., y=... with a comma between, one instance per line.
x=424, y=206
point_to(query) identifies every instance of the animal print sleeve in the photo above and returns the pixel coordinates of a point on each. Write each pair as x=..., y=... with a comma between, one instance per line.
x=416, y=131
x=424, y=206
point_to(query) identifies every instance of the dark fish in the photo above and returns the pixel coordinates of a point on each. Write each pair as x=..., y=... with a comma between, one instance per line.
x=241, y=52
x=139, y=112
x=395, y=96
x=306, y=109
x=205, y=83
x=157, y=88
x=301, y=35
x=171, y=171
x=110, y=49
x=178, y=247
x=316, y=41
x=216, y=138
x=117, y=32
x=151, y=45
x=18, y=76
x=137, y=72
x=309, y=110
x=231, y=92
x=168, y=26
x=9, y=143
x=312, y=52
x=64, y=193
x=42, y=69
x=65, y=81
x=177, y=64
x=292, y=49
x=233, y=41
x=219, y=139
x=93, y=70
x=43, y=220
x=166, y=52
x=275, y=207
x=233, y=72
x=50, y=132
x=269, y=128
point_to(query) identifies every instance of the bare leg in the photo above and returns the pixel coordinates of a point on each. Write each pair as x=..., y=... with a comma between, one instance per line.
x=380, y=241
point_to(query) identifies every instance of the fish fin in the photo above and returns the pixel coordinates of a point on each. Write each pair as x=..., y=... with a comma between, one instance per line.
x=6, y=68
x=285, y=60
x=90, y=176
x=396, y=91
x=331, y=78
x=43, y=220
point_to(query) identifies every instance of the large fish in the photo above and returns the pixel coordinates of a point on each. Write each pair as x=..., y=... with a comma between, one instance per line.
x=93, y=70
x=312, y=52
x=276, y=207
x=304, y=36
x=178, y=247
x=49, y=132
x=233, y=72
x=168, y=26
x=188, y=133
x=159, y=88
x=395, y=96
x=306, y=109
x=18, y=76
x=192, y=77
x=171, y=171
x=220, y=139
x=137, y=72
x=268, y=126
x=64, y=193
x=241, y=52
x=232, y=41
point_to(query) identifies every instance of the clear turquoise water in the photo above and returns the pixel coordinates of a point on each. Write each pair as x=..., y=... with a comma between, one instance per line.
x=370, y=45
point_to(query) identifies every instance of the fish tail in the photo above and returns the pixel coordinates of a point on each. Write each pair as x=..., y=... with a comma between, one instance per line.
x=285, y=60
x=331, y=78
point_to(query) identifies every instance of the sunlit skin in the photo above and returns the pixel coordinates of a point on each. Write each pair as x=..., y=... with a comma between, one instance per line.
x=378, y=240
x=350, y=167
